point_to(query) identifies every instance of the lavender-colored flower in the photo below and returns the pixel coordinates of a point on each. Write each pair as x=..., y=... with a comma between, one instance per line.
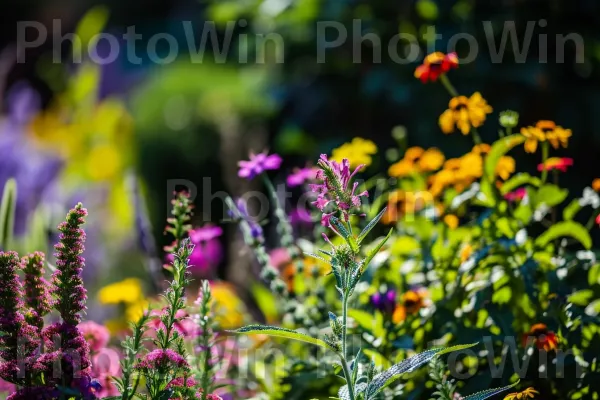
x=37, y=293
x=301, y=175
x=258, y=164
x=335, y=188
x=384, y=301
x=256, y=230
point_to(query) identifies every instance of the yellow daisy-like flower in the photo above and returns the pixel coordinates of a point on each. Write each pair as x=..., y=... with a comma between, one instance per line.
x=126, y=291
x=464, y=113
x=544, y=130
x=505, y=167
x=412, y=153
x=402, y=168
x=481, y=148
x=358, y=151
x=431, y=160
x=451, y=220
x=528, y=393
x=557, y=135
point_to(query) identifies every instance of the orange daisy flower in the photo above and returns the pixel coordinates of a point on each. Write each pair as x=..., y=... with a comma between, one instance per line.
x=434, y=65
x=464, y=113
x=558, y=163
x=544, y=339
x=528, y=393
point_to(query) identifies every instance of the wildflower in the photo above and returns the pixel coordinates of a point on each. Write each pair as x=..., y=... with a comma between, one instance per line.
x=208, y=251
x=162, y=360
x=105, y=367
x=95, y=334
x=301, y=175
x=256, y=230
x=258, y=164
x=481, y=148
x=431, y=160
x=37, y=293
x=557, y=136
x=126, y=291
x=402, y=168
x=589, y=198
x=533, y=135
x=451, y=220
x=596, y=184
x=413, y=153
x=384, y=301
x=229, y=309
x=466, y=252
x=505, y=167
x=465, y=113
x=184, y=325
x=335, y=188
x=358, y=152
x=434, y=65
x=516, y=195
x=528, y=393
x=543, y=338
x=410, y=304
x=555, y=163
x=509, y=119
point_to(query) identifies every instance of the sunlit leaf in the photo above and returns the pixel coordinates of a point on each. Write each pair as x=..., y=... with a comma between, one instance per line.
x=566, y=228
x=282, y=333
x=370, y=226
x=489, y=393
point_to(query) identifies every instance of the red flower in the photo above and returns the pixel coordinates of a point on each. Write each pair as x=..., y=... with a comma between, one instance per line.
x=598, y=219
x=435, y=65
x=560, y=164
x=543, y=338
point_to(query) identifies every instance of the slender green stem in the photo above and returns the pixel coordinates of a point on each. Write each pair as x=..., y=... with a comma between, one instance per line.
x=475, y=135
x=344, y=323
x=545, y=148
x=348, y=376
x=446, y=82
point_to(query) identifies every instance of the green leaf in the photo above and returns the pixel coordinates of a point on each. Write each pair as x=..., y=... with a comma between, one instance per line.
x=571, y=210
x=581, y=297
x=7, y=213
x=519, y=180
x=500, y=148
x=374, y=251
x=265, y=300
x=566, y=228
x=370, y=226
x=489, y=393
x=594, y=275
x=384, y=379
x=550, y=195
x=282, y=333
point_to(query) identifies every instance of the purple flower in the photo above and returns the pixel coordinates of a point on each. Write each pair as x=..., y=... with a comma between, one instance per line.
x=256, y=230
x=384, y=301
x=258, y=164
x=208, y=250
x=162, y=359
x=301, y=175
x=335, y=188
x=37, y=293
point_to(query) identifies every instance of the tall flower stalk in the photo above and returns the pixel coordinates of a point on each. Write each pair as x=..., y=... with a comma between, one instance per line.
x=37, y=291
x=205, y=341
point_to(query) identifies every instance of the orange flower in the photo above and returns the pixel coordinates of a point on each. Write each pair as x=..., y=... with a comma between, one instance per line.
x=545, y=130
x=528, y=393
x=434, y=65
x=558, y=163
x=410, y=304
x=402, y=168
x=464, y=113
x=543, y=338
x=596, y=184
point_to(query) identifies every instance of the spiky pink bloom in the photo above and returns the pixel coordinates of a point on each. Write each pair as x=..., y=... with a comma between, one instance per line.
x=336, y=189
x=184, y=324
x=37, y=289
x=180, y=381
x=162, y=359
x=95, y=334
x=258, y=164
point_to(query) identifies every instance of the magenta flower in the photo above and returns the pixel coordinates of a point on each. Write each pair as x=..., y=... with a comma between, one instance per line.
x=37, y=290
x=335, y=189
x=208, y=251
x=106, y=365
x=258, y=164
x=162, y=359
x=185, y=326
x=516, y=195
x=95, y=334
x=301, y=175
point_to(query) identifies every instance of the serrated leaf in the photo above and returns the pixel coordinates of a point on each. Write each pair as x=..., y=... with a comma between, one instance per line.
x=498, y=149
x=7, y=213
x=489, y=393
x=370, y=226
x=566, y=228
x=282, y=333
x=384, y=379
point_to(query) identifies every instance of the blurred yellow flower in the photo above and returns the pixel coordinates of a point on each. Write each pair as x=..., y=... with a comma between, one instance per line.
x=402, y=168
x=528, y=393
x=464, y=113
x=481, y=148
x=466, y=252
x=135, y=310
x=126, y=291
x=545, y=130
x=412, y=153
x=104, y=162
x=358, y=151
x=431, y=160
x=505, y=167
x=229, y=309
x=451, y=220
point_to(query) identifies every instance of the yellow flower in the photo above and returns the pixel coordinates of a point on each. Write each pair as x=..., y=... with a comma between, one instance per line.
x=505, y=167
x=412, y=153
x=451, y=220
x=431, y=160
x=481, y=148
x=466, y=252
x=358, y=152
x=126, y=291
x=528, y=393
x=104, y=162
x=135, y=310
x=545, y=130
x=229, y=309
x=596, y=184
x=465, y=113
x=402, y=168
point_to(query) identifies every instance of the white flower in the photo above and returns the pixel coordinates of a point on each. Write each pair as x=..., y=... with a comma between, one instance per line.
x=584, y=255
x=589, y=198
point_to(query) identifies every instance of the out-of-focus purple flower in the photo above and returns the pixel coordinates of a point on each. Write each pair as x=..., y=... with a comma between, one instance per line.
x=256, y=230
x=516, y=195
x=95, y=334
x=258, y=164
x=300, y=216
x=384, y=301
x=301, y=175
x=335, y=188
x=208, y=251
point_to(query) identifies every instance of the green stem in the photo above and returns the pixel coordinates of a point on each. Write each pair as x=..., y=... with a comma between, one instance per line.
x=545, y=148
x=348, y=376
x=446, y=82
x=475, y=135
x=344, y=323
